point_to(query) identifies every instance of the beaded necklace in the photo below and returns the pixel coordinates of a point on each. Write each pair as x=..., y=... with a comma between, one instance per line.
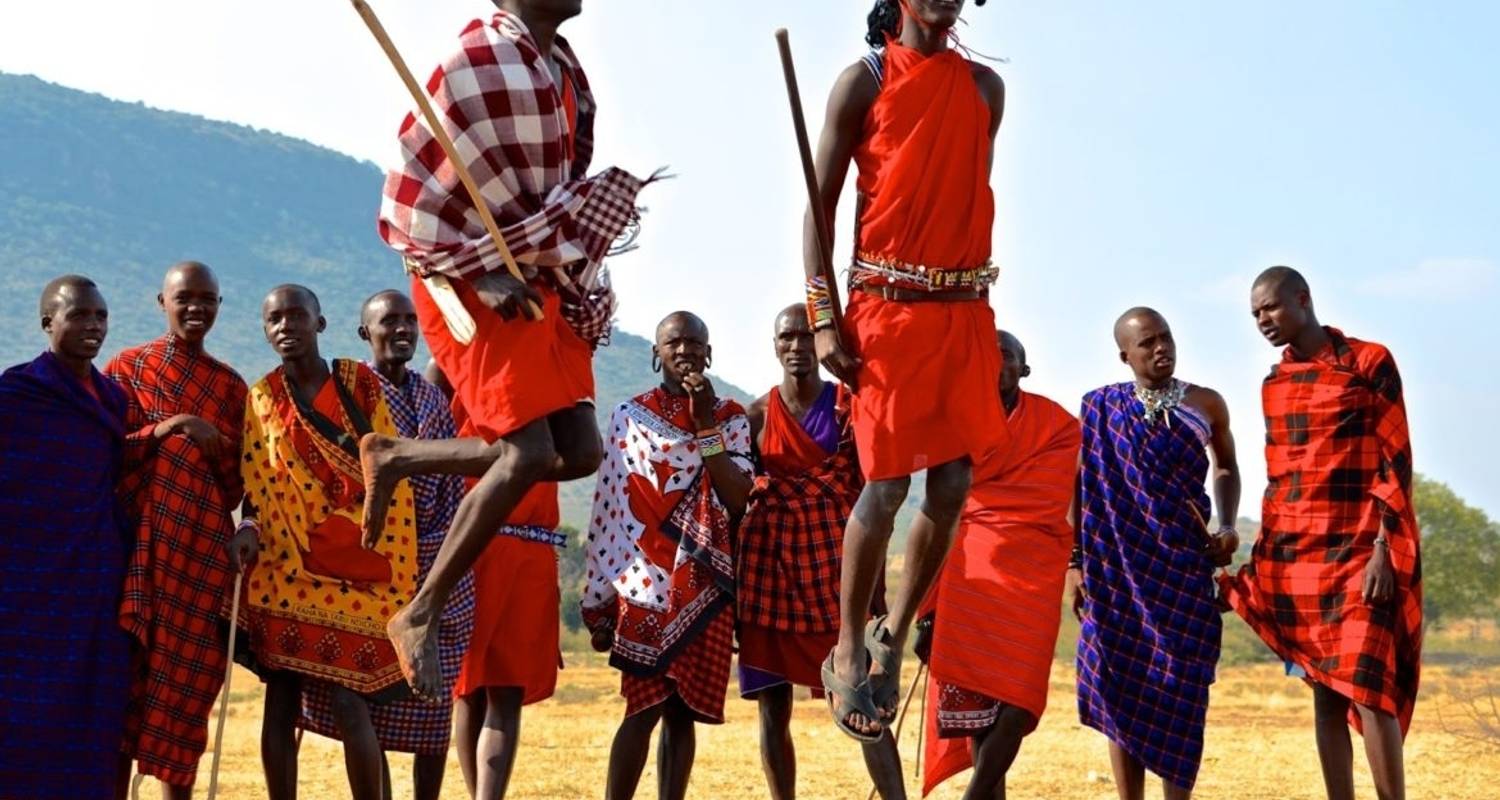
x=1157, y=402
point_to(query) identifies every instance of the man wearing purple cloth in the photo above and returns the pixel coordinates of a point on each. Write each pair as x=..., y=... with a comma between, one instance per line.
x=1149, y=641
x=790, y=542
x=64, y=669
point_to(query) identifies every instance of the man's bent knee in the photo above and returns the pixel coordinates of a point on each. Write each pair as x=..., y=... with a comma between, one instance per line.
x=884, y=497
x=948, y=486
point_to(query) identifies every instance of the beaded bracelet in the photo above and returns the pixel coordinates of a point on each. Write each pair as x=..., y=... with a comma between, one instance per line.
x=710, y=443
x=819, y=303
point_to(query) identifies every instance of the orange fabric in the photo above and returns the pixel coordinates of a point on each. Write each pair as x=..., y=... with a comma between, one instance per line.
x=924, y=164
x=515, y=639
x=512, y=373
x=927, y=388
x=998, y=601
x=785, y=447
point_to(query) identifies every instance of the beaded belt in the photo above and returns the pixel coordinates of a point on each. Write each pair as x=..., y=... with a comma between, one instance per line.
x=868, y=269
x=535, y=533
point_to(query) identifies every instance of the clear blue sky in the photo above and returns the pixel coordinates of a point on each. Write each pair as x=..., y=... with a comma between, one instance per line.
x=1154, y=153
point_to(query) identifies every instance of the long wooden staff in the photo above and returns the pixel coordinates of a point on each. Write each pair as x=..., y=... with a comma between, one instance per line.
x=441, y=136
x=234, y=618
x=901, y=719
x=814, y=199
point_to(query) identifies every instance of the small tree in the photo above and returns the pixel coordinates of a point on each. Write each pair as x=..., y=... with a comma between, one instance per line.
x=1460, y=555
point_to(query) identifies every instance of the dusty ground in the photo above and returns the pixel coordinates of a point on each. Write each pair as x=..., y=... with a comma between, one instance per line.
x=1259, y=746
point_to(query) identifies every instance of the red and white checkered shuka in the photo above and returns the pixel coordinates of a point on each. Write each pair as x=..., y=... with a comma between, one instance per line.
x=510, y=123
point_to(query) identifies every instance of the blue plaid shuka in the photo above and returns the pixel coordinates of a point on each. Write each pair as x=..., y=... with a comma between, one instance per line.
x=1150, y=637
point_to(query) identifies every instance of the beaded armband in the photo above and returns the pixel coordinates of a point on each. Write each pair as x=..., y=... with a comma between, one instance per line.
x=819, y=303
x=710, y=443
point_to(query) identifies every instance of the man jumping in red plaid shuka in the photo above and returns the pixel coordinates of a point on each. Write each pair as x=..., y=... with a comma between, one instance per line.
x=517, y=105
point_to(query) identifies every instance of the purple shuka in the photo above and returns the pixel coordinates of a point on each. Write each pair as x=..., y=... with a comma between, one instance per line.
x=64, y=669
x=1150, y=636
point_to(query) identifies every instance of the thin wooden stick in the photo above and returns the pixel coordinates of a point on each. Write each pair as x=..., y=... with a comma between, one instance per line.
x=234, y=617
x=810, y=175
x=441, y=136
x=901, y=718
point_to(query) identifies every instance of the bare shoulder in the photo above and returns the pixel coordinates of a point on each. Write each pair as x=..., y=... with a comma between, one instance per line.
x=855, y=87
x=1210, y=402
x=757, y=410
x=990, y=84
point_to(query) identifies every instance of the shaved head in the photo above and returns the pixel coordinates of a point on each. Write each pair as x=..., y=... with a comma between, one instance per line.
x=688, y=321
x=188, y=272
x=52, y=293
x=1011, y=343
x=297, y=289
x=1282, y=279
x=378, y=301
x=1133, y=318
x=793, y=311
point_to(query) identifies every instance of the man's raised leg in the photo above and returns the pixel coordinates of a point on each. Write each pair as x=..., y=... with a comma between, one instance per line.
x=414, y=629
x=926, y=547
x=865, y=539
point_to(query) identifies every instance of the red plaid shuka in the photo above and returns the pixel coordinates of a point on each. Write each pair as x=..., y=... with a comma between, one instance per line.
x=510, y=121
x=178, y=576
x=792, y=534
x=1338, y=457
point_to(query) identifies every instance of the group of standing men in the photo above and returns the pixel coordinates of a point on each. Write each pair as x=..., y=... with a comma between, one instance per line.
x=369, y=561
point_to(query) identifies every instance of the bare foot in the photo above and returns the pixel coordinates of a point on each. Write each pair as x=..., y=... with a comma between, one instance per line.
x=416, y=650
x=376, y=461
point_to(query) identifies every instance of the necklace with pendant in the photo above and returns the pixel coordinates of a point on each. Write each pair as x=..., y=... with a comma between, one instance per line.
x=1157, y=402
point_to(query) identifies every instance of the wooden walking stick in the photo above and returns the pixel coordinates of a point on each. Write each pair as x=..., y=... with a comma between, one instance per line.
x=234, y=617
x=442, y=291
x=810, y=175
x=901, y=718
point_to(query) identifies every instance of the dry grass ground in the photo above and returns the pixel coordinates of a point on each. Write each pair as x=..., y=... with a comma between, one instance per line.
x=1259, y=746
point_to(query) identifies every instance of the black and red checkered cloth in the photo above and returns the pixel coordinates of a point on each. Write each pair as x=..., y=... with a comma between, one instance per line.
x=178, y=576
x=791, y=542
x=509, y=120
x=1338, y=457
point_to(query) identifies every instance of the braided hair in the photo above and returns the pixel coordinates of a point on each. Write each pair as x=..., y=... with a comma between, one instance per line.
x=885, y=20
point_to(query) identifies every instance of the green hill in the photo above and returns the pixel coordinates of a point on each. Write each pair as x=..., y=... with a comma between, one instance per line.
x=119, y=191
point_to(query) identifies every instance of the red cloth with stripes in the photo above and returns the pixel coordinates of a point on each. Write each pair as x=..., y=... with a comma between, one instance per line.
x=178, y=576
x=998, y=600
x=1339, y=473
